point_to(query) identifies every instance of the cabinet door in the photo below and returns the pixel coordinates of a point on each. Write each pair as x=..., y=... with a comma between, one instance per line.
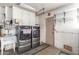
x=32, y=19
x=2, y=11
x=28, y=18
x=8, y=12
x=37, y=20
x=25, y=18
x=17, y=14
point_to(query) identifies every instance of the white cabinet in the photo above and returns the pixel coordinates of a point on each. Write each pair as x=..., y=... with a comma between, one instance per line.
x=32, y=19
x=2, y=11
x=9, y=12
x=17, y=14
x=28, y=18
x=24, y=17
x=37, y=20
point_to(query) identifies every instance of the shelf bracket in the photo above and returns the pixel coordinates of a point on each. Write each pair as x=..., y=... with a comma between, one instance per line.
x=64, y=17
x=55, y=18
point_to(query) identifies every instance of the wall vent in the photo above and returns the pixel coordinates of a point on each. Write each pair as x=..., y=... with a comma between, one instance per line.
x=69, y=48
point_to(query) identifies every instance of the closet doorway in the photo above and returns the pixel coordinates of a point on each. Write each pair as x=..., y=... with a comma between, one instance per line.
x=50, y=31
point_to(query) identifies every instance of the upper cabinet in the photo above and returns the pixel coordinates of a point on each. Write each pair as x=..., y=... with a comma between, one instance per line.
x=2, y=12
x=17, y=14
x=8, y=13
x=32, y=18
x=24, y=17
x=37, y=20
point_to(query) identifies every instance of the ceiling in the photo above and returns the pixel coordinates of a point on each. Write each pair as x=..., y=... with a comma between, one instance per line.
x=36, y=6
x=47, y=6
x=7, y=4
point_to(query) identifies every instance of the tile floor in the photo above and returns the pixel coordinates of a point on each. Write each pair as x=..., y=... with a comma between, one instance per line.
x=46, y=51
x=49, y=51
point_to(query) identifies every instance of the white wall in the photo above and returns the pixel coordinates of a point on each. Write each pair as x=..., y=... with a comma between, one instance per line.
x=25, y=17
x=42, y=28
x=70, y=28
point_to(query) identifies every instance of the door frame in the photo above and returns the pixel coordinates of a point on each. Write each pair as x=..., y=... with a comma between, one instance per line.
x=52, y=29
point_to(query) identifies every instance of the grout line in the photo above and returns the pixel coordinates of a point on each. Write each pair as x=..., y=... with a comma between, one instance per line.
x=40, y=50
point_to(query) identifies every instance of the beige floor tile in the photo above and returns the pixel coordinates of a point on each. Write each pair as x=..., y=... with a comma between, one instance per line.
x=49, y=51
